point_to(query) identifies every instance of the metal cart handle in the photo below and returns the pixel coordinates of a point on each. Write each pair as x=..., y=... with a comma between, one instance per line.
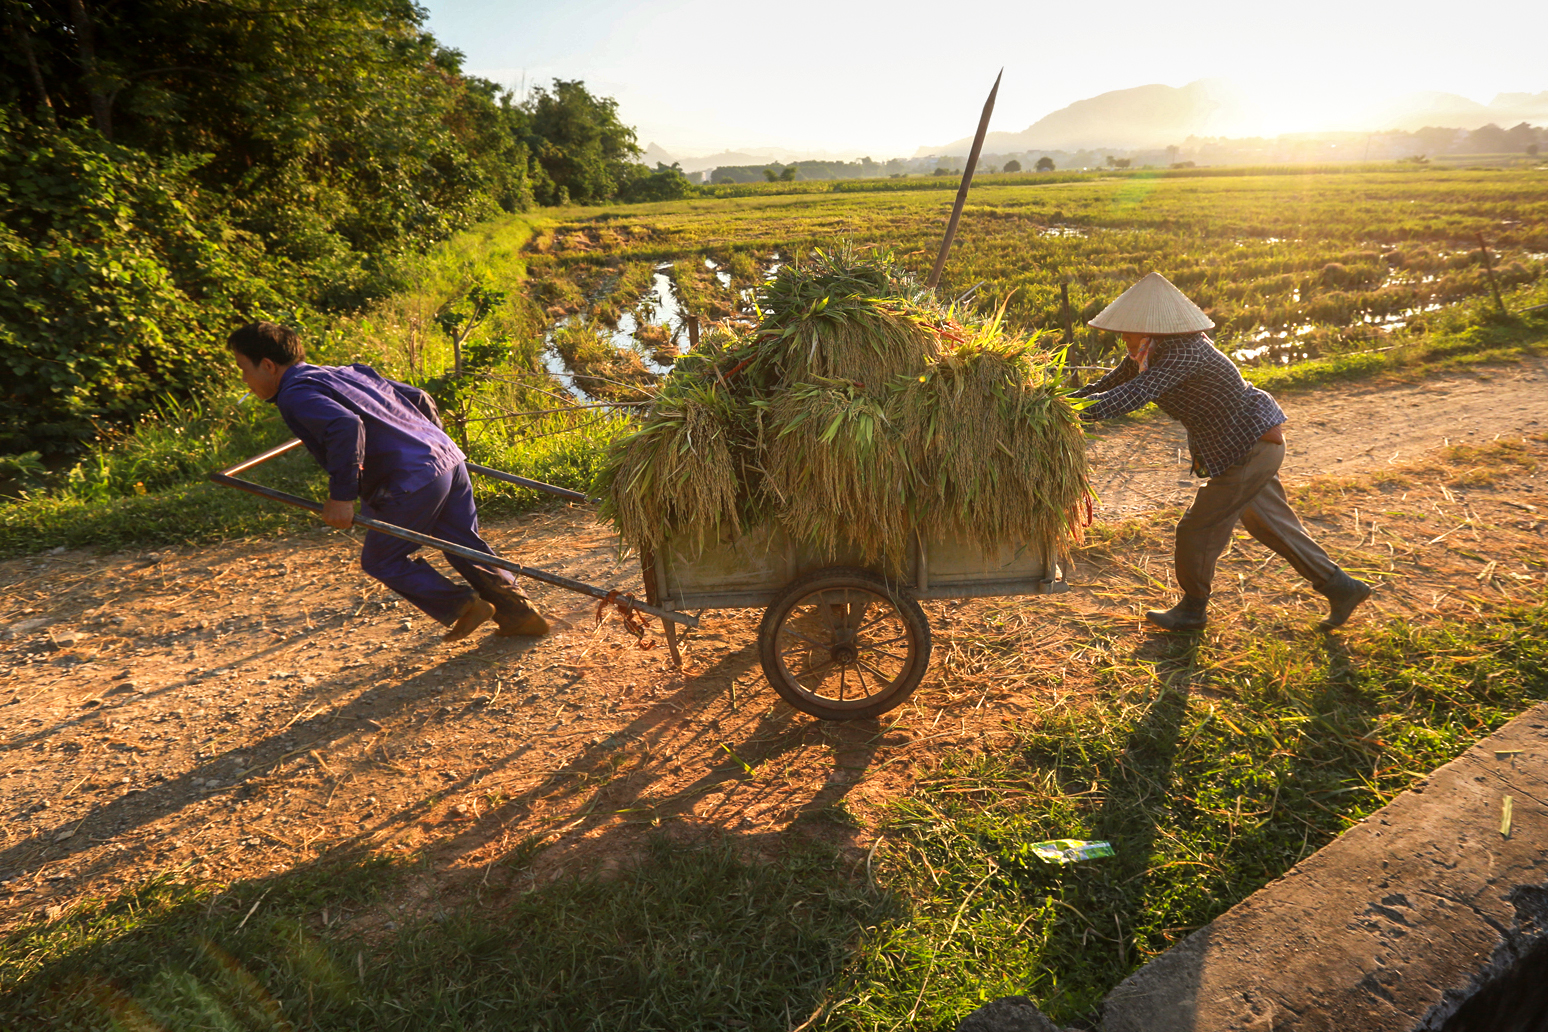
x=226, y=479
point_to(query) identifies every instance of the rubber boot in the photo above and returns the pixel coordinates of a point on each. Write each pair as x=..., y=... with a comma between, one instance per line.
x=1343, y=594
x=1186, y=615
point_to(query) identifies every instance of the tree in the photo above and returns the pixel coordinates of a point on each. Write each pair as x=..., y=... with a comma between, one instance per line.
x=1045, y=164
x=171, y=168
x=787, y=174
x=1012, y=166
x=770, y=175
x=579, y=141
x=666, y=183
x=1488, y=139
x=120, y=282
x=1519, y=137
x=336, y=133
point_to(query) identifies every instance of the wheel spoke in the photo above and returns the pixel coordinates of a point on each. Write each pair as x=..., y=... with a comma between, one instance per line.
x=860, y=673
x=885, y=680
x=878, y=618
x=856, y=619
x=801, y=637
x=889, y=641
x=884, y=652
x=809, y=671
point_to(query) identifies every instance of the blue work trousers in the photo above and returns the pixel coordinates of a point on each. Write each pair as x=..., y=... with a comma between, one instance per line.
x=445, y=509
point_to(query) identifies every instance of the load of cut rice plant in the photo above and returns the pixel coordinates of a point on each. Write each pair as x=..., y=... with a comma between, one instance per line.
x=858, y=412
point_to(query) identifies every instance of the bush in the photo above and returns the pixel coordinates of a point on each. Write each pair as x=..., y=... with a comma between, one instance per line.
x=666, y=183
x=117, y=289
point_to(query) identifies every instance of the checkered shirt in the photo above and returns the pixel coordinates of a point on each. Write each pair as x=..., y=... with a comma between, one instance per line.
x=1197, y=386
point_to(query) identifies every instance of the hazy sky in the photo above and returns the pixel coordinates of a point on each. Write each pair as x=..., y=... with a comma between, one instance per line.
x=887, y=76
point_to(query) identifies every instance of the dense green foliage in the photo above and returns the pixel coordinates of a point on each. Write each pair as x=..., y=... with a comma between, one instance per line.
x=116, y=283
x=334, y=134
x=666, y=183
x=582, y=146
x=169, y=169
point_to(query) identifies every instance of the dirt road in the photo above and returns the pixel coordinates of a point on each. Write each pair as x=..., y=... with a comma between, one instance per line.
x=239, y=710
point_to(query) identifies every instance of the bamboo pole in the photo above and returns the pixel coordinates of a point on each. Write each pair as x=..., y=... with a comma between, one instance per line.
x=967, y=180
x=1066, y=315
x=1489, y=271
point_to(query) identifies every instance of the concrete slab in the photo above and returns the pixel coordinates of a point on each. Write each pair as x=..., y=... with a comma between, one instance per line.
x=1390, y=928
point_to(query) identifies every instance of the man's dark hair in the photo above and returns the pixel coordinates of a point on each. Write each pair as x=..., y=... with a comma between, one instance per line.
x=260, y=340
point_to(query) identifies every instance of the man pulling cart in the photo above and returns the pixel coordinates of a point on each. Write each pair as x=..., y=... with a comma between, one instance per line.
x=383, y=445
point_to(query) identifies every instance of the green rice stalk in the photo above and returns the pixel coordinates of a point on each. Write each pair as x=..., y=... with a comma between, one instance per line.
x=837, y=472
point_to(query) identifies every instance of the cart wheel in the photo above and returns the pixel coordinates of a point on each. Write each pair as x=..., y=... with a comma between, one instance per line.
x=842, y=644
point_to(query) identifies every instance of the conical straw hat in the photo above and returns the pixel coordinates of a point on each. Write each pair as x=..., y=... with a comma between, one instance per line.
x=1152, y=305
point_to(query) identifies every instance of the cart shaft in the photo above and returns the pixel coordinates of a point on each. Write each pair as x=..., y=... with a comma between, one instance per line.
x=390, y=530
x=536, y=485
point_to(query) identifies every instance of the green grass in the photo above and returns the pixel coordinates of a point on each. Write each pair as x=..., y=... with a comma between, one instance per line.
x=1329, y=253
x=1211, y=765
x=693, y=938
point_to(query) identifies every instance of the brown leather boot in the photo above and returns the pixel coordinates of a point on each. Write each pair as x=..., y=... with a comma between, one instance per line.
x=529, y=624
x=1186, y=615
x=473, y=613
x=513, y=612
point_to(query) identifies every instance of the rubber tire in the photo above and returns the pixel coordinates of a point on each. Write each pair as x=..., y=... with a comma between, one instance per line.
x=844, y=577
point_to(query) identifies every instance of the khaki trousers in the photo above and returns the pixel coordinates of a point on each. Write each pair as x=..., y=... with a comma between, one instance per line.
x=1249, y=491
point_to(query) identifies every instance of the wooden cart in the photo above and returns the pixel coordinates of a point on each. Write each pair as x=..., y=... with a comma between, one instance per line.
x=838, y=640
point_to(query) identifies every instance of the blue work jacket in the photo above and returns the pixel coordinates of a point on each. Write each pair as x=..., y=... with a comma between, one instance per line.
x=370, y=433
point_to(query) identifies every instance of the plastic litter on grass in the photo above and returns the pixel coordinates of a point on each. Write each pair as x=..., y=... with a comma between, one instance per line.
x=1069, y=851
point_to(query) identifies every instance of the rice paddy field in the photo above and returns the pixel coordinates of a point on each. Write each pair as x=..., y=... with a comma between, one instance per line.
x=1292, y=265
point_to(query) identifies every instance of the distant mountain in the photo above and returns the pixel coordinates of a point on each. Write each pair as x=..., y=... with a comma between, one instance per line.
x=1160, y=116
x=1145, y=116
x=1418, y=110
x=655, y=155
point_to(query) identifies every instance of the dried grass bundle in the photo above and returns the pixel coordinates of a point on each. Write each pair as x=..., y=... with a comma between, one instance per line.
x=679, y=472
x=856, y=414
x=999, y=455
x=838, y=471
